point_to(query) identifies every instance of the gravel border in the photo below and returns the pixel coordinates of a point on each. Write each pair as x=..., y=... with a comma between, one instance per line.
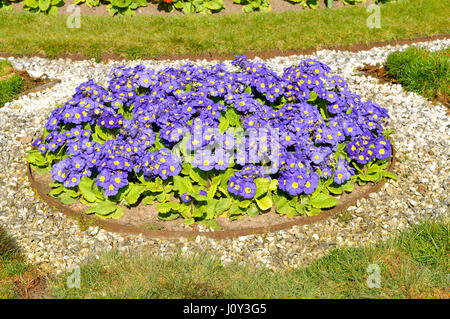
x=55, y=242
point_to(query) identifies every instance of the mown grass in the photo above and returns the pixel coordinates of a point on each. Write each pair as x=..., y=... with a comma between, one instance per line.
x=418, y=70
x=412, y=265
x=153, y=36
x=10, y=86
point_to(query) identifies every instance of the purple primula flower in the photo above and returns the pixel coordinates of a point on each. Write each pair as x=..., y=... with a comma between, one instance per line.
x=186, y=198
x=311, y=183
x=295, y=184
x=292, y=125
x=204, y=160
x=248, y=189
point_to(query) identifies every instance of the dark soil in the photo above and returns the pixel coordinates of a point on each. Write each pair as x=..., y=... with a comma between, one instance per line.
x=32, y=82
x=31, y=285
x=379, y=72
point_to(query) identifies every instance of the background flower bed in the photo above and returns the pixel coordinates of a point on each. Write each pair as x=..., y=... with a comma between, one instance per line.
x=129, y=7
x=189, y=36
x=182, y=132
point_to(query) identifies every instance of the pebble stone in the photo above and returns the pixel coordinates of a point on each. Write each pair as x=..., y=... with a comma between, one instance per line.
x=55, y=242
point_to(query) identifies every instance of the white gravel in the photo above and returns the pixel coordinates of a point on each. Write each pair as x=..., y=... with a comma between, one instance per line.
x=55, y=242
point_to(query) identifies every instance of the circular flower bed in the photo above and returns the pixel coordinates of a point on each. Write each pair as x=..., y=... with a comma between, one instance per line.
x=204, y=143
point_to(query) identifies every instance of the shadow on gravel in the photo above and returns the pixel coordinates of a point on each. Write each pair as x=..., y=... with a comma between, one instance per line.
x=8, y=247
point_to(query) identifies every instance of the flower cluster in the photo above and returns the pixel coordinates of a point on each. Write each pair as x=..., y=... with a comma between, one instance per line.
x=242, y=183
x=261, y=123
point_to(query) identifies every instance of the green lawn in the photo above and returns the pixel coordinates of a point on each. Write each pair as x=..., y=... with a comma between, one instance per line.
x=418, y=70
x=10, y=86
x=152, y=36
x=412, y=265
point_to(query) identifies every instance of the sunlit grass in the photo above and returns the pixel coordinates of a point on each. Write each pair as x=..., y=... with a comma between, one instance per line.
x=412, y=265
x=418, y=70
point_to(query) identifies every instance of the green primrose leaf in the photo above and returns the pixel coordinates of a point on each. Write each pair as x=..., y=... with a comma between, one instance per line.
x=134, y=192
x=189, y=221
x=253, y=211
x=162, y=197
x=265, y=202
x=55, y=192
x=224, y=123
x=86, y=189
x=35, y=157
x=387, y=132
x=148, y=200
x=53, y=11
x=72, y=192
x=182, y=185
x=233, y=117
x=245, y=203
x=167, y=207
x=66, y=199
x=390, y=175
x=179, y=5
x=370, y=177
x=196, y=177
x=299, y=208
x=55, y=184
x=273, y=186
x=117, y=214
x=348, y=186
x=32, y=4
x=313, y=211
x=262, y=186
x=235, y=210
x=335, y=190
x=210, y=223
x=313, y=96
x=40, y=170
x=155, y=187
x=223, y=205
x=168, y=215
x=282, y=206
x=323, y=201
x=213, y=187
x=103, y=209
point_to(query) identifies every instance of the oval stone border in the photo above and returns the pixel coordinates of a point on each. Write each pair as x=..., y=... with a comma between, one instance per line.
x=219, y=234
